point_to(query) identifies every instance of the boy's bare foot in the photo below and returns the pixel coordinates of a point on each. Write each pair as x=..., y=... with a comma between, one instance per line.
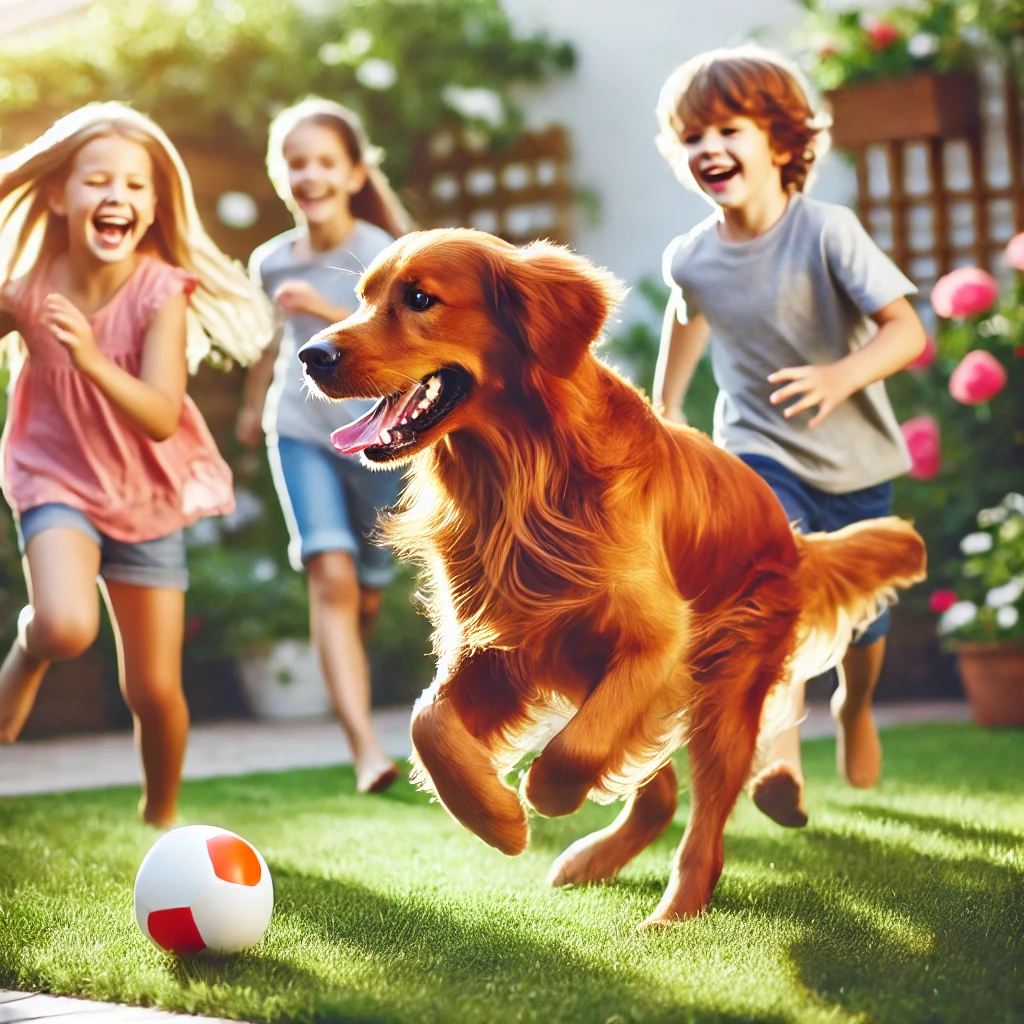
x=778, y=792
x=858, y=749
x=375, y=778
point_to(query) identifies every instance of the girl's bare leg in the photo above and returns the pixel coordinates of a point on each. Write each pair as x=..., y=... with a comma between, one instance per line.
x=335, y=621
x=150, y=625
x=60, y=621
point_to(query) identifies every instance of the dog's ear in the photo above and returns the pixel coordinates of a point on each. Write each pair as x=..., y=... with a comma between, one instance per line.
x=556, y=302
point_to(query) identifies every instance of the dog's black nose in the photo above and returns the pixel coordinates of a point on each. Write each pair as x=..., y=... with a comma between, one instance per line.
x=319, y=354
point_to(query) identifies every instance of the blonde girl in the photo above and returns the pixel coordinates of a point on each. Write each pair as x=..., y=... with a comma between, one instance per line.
x=325, y=170
x=116, y=292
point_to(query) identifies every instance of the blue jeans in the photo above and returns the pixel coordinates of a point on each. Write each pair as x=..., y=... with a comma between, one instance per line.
x=811, y=511
x=330, y=503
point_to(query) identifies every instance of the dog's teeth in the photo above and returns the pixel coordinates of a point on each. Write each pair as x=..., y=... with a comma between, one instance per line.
x=433, y=388
x=415, y=414
x=385, y=437
x=405, y=419
x=425, y=403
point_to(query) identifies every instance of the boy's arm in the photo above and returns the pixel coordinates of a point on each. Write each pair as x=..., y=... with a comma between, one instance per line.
x=680, y=351
x=899, y=341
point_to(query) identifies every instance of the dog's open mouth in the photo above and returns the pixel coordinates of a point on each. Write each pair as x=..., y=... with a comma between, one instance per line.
x=393, y=424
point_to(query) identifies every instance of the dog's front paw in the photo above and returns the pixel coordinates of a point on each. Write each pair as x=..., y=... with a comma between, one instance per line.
x=506, y=828
x=550, y=789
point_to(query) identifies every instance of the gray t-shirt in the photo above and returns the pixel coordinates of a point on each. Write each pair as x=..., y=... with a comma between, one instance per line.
x=291, y=410
x=802, y=293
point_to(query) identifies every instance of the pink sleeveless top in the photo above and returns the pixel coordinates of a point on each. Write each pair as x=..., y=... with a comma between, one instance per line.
x=65, y=442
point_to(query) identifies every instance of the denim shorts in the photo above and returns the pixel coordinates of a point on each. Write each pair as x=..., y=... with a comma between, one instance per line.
x=330, y=503
x=811, y=511
x=158, y=563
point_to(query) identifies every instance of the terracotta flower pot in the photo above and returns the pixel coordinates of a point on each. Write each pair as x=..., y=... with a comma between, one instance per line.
x=925, y=106
x=993, y=678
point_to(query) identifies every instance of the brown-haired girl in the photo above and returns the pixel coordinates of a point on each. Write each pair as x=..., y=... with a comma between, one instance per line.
x=806, y=318
x=328, y=174
x=116, y=291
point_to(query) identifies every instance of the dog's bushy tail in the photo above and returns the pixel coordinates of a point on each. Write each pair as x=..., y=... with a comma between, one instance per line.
x=848, y=578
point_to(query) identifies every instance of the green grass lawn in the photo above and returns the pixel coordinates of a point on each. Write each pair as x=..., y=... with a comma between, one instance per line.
x=901, y=904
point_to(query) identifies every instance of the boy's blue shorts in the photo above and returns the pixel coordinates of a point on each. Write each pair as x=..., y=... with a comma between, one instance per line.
x=811, y=511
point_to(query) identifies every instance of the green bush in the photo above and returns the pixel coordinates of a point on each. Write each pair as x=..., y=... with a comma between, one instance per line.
x=214, y=72
x=864, y=42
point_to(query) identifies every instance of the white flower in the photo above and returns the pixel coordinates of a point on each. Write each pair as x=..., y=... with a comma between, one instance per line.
x=475, y=104
x=992, y=516
x=1011, y=529
x=994, y=327
x=377, y=73
x=922, y=44
x=1014, y=502
x=358, y=42
x=976, y=543
x=331, y=54
x=237, y=210
x=264, y=569
x=963, y=613
x=1008, y=593
x=1006, y=618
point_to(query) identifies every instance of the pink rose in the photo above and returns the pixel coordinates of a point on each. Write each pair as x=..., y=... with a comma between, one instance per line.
x=964, y=292
x=1015, y=252
x=979, y=377
x=881, y=34
x=922, y=437
x=927, y=356
x=942, y=600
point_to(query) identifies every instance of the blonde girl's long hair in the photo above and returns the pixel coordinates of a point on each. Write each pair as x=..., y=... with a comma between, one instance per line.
x=226, y=315
x=376, y=201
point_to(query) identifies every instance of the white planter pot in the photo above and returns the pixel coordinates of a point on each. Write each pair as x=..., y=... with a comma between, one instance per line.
x=284, y=681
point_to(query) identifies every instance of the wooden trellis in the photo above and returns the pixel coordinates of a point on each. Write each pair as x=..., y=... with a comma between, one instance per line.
x=939, y=176
x=520, y=192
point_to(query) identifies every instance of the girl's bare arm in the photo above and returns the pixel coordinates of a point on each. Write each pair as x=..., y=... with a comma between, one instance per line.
x=152, y=402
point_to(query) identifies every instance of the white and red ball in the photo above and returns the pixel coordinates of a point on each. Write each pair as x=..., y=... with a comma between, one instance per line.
x=202, y=887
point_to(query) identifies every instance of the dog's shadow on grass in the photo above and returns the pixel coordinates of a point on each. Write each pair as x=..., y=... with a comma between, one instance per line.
x=878, y=921
x=442, y=961
x=943, y=826
x=878, y=917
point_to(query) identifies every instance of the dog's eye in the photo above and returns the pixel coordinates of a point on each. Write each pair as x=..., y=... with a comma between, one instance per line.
x=419, y=300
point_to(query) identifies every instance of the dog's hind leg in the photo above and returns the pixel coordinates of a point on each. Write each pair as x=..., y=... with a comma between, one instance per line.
x=453, y=738
x=601, y=855
x=723, y=733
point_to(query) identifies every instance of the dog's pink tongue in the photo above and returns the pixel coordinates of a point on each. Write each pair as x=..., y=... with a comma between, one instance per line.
x=366, y=431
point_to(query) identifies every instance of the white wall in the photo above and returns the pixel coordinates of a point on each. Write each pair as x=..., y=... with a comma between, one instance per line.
x=626, y=49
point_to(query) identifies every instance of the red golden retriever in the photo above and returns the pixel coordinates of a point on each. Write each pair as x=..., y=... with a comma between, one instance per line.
x=605, y=586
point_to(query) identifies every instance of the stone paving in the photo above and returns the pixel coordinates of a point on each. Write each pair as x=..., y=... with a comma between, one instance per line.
x=22, y=1007
x=239, y=748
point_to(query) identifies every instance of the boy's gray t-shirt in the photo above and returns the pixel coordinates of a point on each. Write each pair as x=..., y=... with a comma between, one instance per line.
x=290, y=410
x=802, y=293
